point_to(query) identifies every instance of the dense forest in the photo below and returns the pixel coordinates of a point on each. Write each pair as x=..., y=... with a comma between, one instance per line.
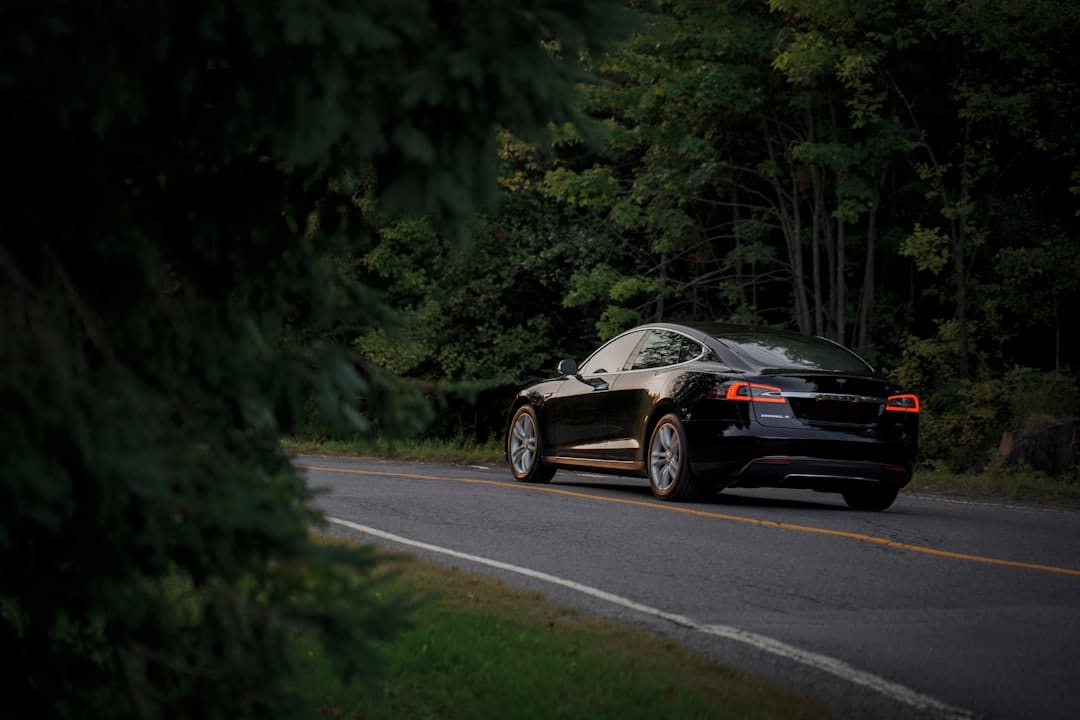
x=902, y=177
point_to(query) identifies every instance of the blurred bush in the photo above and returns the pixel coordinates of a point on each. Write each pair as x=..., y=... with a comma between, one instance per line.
x=187, y=178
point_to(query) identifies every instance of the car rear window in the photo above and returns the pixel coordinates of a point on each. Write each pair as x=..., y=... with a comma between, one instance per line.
x=784, y=352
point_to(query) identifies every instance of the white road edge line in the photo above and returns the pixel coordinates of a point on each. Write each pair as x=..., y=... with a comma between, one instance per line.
x=824, y=663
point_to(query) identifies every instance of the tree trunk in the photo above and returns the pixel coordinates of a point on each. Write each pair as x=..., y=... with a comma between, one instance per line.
x=663, y=286
x=815, y=255
x=736, y=219
x=841, y=282
x=830, y=265
x=959, y=260
x=1057, y=335
x=791, y=224
x=961, y=300
x=815, y=236
x=802, y=306
x=866, y=307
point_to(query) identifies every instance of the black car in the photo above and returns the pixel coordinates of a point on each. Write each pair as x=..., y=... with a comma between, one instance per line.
x=699, y=407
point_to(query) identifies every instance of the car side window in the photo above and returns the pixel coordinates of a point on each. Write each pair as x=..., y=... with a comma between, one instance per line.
x=689, y=349
x=613, y=356
x=663, y=348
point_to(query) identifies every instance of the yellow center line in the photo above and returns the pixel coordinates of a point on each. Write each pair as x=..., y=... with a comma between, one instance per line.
x=715, y=515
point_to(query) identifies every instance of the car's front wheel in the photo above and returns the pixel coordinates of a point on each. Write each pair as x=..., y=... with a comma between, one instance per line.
x=871, y=499
x=668, y=461
x=525, y=449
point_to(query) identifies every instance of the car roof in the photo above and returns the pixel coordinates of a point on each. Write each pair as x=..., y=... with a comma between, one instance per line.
x=710, y=333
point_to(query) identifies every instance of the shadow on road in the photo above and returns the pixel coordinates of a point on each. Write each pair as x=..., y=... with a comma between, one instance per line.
x=727, y=498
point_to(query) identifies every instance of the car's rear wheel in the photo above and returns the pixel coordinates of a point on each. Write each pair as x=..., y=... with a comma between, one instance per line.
x=871, y=499
x=668, y=461
x=525, y=449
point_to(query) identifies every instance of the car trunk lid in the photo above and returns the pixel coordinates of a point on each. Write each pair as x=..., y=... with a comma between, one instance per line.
x=823, y=400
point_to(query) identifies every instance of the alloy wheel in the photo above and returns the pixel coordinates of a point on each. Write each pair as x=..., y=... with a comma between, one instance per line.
x=523, y=444
x=665, y=457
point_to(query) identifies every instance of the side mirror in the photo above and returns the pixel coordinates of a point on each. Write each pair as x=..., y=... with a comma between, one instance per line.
x=568, y=367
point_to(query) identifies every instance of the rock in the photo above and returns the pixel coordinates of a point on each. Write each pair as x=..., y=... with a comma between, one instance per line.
x=1045, y=443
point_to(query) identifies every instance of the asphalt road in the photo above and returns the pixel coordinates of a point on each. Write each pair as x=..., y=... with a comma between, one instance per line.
x=935, y=608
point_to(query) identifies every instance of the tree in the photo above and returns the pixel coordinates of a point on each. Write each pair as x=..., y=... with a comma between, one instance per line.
x=984, y=102
x=186, y=176
x=898, y=176
x=683, y=230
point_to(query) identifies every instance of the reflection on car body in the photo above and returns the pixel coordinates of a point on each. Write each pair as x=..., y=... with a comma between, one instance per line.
x=695, y=407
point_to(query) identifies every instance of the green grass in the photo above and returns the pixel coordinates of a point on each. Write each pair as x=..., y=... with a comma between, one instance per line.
x=1011, y=485
x=428, y=449
x=479, y=649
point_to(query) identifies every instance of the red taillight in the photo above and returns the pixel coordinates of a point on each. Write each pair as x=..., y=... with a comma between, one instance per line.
x=903, y=403
x=752, y=391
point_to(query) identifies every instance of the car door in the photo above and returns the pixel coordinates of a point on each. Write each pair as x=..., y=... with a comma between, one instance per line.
x=578, y=416
x=634, y=393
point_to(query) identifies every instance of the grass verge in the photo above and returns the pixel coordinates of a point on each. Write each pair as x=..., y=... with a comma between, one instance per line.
x=460, y=452
x=1011, y=486
x=480, y=649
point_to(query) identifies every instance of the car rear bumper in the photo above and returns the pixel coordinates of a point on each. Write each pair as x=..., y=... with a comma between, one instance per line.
x=828, y=475
x=829, y=461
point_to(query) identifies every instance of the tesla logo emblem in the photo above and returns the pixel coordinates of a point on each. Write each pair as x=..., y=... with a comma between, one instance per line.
x=840, y=382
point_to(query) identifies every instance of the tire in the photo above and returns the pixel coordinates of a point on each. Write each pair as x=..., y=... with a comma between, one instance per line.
x=667, y=462
x=871, y=499
x=524, y=449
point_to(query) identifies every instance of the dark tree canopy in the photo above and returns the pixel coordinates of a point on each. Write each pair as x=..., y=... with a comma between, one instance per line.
x=900, y=176
x=183, y=179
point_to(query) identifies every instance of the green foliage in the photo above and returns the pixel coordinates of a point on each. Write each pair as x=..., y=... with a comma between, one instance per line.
x=895, y=176
x=475, y=320
x=1032, y=392
x=467, y=312
x=960, y=423
x=595, y=187
x=615, y=319
x=178, y=279
x=808, y=59
x=963, y=420
x=1039, y=280
x=591, y=285
x=627, y=215
x=928, y=247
